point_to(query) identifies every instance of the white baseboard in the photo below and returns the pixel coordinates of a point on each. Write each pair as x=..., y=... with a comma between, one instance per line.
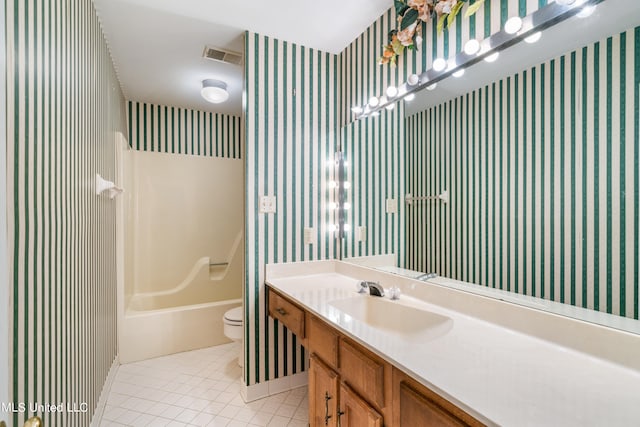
x=269, y=388
x=104, y=394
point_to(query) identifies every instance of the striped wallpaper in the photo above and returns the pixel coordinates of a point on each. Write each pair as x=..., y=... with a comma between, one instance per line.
x=543, y=169
x=376, y=146
x=291, y=112
x=297, y=109
x=375, y=171
x=361, y=76
x=183, y=131
x=64, y=110
x=4, y=263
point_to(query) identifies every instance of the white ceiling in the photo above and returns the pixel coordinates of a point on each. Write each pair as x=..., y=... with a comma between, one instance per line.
x=157, y=45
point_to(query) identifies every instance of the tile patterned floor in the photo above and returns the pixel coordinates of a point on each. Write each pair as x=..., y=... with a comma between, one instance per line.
x=196, y=388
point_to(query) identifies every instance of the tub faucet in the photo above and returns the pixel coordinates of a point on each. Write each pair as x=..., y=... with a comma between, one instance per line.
x=375, y=288
x=427, y=276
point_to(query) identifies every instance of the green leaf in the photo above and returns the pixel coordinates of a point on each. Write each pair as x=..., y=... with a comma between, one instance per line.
x=409, y=18
x=397, y=47
x=400, y=6
x=454, y=13
x=473, y=8
x=441, y=23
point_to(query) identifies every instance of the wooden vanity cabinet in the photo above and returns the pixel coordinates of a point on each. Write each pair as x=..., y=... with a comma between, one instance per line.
x=323, y=393
x=360, y=375
x=288, y=313
x=350, y=386
x=355, y=412
x=416, y=405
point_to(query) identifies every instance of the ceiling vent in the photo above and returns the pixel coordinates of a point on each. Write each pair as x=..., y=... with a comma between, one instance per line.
x=222, y=55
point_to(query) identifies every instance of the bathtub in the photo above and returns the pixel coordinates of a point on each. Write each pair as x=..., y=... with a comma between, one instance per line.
x=180, y=255
x=153, y=333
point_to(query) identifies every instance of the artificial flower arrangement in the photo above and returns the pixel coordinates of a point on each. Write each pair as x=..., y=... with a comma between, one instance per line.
x=412, y=13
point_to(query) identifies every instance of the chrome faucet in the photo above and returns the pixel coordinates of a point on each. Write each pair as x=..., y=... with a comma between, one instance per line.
x=427, y=276
x=375, y=288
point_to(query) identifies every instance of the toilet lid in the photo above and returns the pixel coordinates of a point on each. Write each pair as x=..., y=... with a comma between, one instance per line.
x=234, y=315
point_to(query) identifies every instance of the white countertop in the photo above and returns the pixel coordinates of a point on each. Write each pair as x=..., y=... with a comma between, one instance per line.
x=502, y=376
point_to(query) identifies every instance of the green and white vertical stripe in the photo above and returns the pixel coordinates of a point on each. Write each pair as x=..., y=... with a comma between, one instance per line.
x=64, y=111
x=542, y=168
x=182, y=131
x=295, y=102
x=376, y=145
x=362, y=77
x=291, y=111
x=375, y=170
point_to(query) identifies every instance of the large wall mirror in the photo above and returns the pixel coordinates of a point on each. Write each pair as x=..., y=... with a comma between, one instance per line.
x=518, y=180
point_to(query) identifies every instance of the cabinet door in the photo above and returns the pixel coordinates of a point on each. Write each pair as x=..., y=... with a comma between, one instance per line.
x=323, y=341
x=416, y=409
x=355, y=412
x=323, y=394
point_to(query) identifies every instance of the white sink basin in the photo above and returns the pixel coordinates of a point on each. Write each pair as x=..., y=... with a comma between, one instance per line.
x=394, y=317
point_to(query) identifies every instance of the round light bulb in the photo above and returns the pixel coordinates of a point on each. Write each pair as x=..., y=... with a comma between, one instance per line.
x=586, y=11
x=533, y=37
x=413, y=80
x=331, y=228
x=346, y=206
x=513, y=25
x=356, y=109
x=472, y=47
x=493, y=57
x=373, y=101
x=333, y=184
x=432, y=87
x=375, y=114
x=346, y=185
x=392, y=92
x=459, y=73
x=390, y=107
x=346, y=227
x=333, y=205
x=439, y=64
x=410, y=97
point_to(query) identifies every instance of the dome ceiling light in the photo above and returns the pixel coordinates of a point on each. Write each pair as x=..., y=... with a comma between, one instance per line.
x=214, y=91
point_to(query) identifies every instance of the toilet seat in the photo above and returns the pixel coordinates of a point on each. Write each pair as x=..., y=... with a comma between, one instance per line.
x=233, y=316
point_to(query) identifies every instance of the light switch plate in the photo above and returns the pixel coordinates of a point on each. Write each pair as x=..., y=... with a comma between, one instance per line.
x=362, y=233
x=309, y=236
x=392, y=206
x=267, y=204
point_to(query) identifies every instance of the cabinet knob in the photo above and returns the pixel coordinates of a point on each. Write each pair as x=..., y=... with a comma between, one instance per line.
x=281, y=311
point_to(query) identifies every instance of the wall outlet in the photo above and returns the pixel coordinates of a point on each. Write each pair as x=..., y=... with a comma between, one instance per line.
x=267, y=204
x=392, y=206
x=310, y=236
x=361, y=233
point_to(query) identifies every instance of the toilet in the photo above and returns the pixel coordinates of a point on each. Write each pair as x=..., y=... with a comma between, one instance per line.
x=233, y=328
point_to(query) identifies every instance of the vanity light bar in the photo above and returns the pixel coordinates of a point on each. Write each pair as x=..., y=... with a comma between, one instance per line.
x=548, y=16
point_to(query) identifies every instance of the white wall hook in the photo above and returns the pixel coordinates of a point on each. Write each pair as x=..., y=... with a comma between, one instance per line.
x=102, y=185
